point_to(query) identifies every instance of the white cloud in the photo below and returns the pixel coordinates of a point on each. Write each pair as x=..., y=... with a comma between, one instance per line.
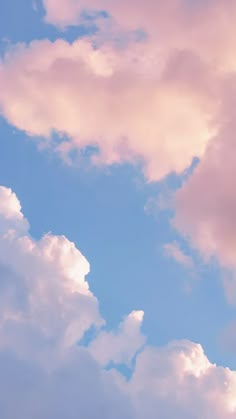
x=178, y=381
x=46, y=306
x=43, y=287
x=122, y=346
x=11, y=217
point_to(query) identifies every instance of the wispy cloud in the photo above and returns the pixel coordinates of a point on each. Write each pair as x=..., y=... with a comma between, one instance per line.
x=173, y=250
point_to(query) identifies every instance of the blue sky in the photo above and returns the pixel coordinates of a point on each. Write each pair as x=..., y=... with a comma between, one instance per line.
x=102, y=209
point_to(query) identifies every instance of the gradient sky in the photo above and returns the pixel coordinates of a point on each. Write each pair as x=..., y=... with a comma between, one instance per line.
x=117, y=151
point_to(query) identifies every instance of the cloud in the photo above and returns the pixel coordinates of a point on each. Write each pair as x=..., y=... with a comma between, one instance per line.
x=67, y=12
x=120, y=101
x=206, y=203
x=145, y=16
x=154, y=101
x=76, y=388
x=172, y=250
x=205, y=27
x=121, y=347
x=46, y=306
x=11, y=216
x=178, y=381
x=44, y=294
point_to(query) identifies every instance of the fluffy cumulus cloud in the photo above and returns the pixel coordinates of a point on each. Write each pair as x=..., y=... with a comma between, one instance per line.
x=11, y=217
x=121, y=346
x=109, y=98
x=46, y=307
x=178, y=381
x=44, y=294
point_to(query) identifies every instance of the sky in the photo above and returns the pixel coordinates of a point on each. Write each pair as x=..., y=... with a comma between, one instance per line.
x=117, y=209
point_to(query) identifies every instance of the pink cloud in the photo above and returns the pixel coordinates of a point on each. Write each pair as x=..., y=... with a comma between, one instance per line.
x=127, y=106
x=154, y=102
x=206, y=205
x=206, y=27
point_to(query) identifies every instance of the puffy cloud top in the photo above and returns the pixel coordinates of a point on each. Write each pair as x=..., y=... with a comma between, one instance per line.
x=11, y=216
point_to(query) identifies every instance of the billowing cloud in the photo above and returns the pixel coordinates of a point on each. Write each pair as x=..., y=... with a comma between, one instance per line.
x=11, y=217
x=44, y=294
x=178, y=381
x=46, y=306
x=121, y=346
x=125, y=106
x=154, y=101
